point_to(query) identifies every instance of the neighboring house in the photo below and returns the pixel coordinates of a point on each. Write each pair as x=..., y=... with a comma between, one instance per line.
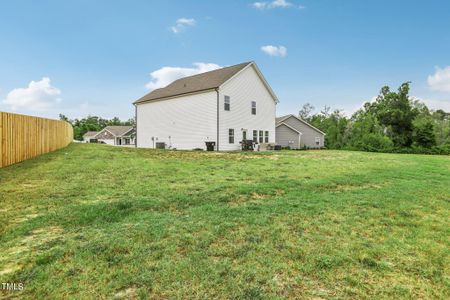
x=88, y=136
x=295, y=133
x=223, y=106
x=116, y=135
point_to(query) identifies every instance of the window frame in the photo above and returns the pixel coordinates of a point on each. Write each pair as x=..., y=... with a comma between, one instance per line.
x=226, y=103
x=255, y=136
x=317, y=140
x=253, y=108
x=261, y=136
x=266, y=136
x=231, y=136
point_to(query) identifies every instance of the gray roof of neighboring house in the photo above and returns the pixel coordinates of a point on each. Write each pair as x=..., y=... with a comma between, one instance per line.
x=281, y=119
x=90, y=134
x=196, y=83
x=118, y=130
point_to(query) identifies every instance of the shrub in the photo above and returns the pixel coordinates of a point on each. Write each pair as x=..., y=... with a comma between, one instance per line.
x=423, y=133
x=375, y=142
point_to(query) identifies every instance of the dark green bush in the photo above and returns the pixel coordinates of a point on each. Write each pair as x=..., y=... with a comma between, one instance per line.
x=374, y=142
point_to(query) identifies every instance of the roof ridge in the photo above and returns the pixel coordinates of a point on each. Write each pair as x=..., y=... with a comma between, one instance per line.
x=203, y=73
x=195, y=83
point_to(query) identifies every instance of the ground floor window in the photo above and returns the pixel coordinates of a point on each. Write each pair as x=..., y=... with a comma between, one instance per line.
x=261, y=137
x=231, y=136
x=266, y=137
x=255, y=136
x=127, y=141
x=317, y=141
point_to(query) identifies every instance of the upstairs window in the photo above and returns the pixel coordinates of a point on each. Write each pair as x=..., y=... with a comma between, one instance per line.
x=231, y=136
x=253, y=107
x=261, y=137
x=226, y=103
x=255, y=136
x=266, y=137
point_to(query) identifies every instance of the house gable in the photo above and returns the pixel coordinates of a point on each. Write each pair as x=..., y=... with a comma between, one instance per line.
x=288, y=136
x=129, y=132
x=104, y=135
x=243, y=90
x=309, y=132
x=285, y=118
x=290, y=127
x=260, y=75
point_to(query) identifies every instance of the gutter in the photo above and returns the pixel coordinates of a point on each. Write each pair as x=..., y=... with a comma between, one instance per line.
x=139, y=101
x=217, y=142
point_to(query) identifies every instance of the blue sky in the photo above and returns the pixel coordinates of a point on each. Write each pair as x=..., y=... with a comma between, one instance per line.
x=97, y=57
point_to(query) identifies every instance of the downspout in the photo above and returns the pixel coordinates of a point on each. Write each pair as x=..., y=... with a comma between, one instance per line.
x=135, y=125
x=217, y=142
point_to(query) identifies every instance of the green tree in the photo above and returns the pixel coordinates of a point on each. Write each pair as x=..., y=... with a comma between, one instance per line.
x=396, y=113
x=63, y=118
x=93, y=123
x=365, y=132
x=423, y=133
x=442, y=127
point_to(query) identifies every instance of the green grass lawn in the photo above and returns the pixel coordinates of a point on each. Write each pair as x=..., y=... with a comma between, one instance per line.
x=95, y=221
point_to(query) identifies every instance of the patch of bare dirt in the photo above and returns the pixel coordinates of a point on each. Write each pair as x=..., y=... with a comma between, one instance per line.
x=13, y=258
x=129, y=293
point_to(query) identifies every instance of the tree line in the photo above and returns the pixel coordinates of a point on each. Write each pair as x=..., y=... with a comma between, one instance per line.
x=393, y=122
x=93, y=123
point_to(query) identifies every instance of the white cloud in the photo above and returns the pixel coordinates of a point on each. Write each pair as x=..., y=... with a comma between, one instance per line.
x=434, y=103
x=39, y=95
x=275, y=4
x=280, y=3
x=280, y=51
x=260, y=5
x=181, y=24
x=166, y=75
x=440, y=81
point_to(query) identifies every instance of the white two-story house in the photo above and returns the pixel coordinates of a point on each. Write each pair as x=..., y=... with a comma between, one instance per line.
x=224, y=106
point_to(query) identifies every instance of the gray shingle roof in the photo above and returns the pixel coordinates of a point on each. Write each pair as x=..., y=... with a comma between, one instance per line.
x=90, y=134
x=118, y=130
x=281, y=119
x=196, y=83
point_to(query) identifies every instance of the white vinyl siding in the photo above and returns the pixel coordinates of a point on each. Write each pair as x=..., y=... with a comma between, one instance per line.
x=183, y=123
x=245, y=88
